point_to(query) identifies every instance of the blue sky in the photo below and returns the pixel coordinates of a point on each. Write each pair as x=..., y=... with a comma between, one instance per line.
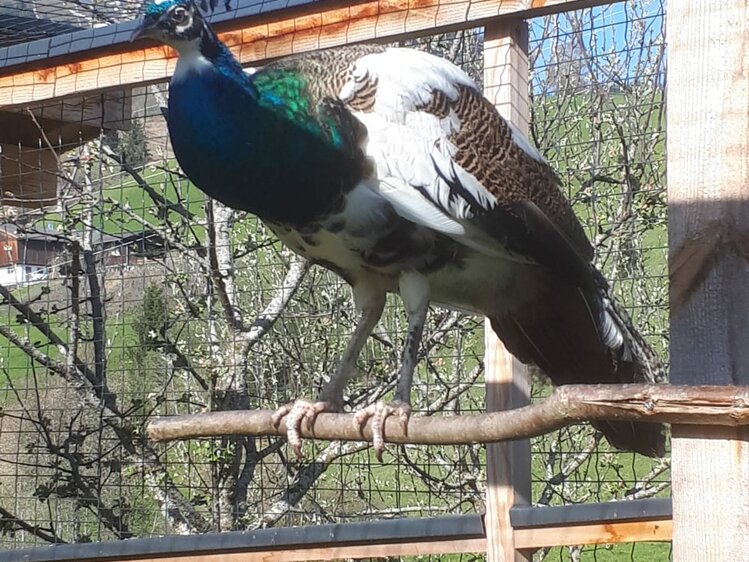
x=607, y=31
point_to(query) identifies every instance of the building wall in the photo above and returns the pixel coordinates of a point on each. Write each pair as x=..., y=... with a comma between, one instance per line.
x=15, y=275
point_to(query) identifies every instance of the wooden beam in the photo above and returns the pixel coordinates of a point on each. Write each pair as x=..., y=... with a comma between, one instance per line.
x=594, y=533
x=68, y=122
x=29, y=176
x=111, y=110
x=588, y=533
x=508, y=382
x=256, y=39
x=708, y=200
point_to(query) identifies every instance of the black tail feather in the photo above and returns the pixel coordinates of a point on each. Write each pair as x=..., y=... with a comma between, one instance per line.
x=645, y=438
x=568, y=334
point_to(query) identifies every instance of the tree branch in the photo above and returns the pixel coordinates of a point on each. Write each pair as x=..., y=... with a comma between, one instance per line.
x=36, y=320
x=155, y=196
x=218, y=244
x=13, y=523
x=708, y=405
x=265, y=320
x=179, y=511
x=304, y=480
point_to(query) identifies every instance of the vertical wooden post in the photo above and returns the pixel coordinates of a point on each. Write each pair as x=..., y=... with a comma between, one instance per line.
x=508, y=469
x=708, y=199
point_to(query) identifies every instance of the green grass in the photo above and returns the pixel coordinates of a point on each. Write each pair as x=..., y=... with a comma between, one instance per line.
x=638, y=552
x=14, y=362
x=114, y=218
x=110, y=218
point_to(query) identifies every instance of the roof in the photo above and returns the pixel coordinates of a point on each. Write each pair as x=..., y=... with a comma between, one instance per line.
x=100, y=38
x=50, y=234
x=16, y=29
x=46, y=234
x=78, y=13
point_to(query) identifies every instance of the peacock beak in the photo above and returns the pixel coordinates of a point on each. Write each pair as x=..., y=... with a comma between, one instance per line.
x=146, y=28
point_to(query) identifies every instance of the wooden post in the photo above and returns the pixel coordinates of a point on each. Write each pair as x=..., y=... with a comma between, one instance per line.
x=708, y=199
x=508, y=468
x=28, y=176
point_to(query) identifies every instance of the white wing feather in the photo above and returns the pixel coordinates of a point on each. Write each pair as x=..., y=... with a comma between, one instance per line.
x=412, y=149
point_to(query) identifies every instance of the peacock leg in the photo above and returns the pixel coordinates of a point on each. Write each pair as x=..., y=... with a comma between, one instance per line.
x=370, y=302
x=414, y=290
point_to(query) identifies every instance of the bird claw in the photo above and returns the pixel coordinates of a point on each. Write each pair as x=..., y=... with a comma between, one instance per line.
x=296, y=413
x=380, y=412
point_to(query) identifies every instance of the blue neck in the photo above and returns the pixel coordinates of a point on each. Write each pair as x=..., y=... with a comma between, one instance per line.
x=250, y=155
x=221, y=57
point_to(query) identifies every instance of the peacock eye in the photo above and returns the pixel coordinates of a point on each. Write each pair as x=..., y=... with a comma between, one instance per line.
x=180, y=15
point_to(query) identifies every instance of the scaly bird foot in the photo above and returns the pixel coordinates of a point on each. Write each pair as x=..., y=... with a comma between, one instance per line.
x=296, y=413
x=380, y=412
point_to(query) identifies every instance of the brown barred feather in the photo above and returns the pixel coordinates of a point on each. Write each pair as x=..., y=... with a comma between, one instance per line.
x=364, y=98
x=486, y=150
x=438, y=105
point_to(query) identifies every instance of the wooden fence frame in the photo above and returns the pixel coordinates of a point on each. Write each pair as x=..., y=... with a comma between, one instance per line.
x=708, y=187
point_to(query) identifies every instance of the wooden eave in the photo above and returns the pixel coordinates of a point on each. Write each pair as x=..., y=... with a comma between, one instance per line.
x=103, y=59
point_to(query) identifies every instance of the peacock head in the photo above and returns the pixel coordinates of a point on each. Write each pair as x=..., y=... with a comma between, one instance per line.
x=174, y=21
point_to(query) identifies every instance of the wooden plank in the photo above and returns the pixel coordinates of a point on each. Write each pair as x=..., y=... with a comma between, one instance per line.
x=255, y=40
x=593, y=533
x=67, y=122
x=710, y=486
x=590, y=533
x=508, y=469
x=18, y=128
x=708, y=195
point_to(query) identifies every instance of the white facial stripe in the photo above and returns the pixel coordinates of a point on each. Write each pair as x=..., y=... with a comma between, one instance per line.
x=190, y=59
x=180, y=29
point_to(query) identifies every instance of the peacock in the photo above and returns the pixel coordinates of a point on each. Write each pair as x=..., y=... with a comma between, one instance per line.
x=389, y=167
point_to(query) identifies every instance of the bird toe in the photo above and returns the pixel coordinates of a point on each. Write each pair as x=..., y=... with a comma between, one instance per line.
x=298, y=413
x=379, y=413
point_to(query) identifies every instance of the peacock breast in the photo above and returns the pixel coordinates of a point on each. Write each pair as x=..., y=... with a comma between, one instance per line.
x=252, y=157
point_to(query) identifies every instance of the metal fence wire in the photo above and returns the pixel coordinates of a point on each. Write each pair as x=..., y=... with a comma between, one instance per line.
x=115, y=273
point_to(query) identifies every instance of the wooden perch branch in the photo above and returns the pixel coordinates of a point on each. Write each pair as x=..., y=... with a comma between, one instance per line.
x=700, y=405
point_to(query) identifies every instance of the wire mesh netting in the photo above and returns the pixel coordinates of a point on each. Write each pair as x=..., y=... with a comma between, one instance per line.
x=128, y=296
x=598, y=116
x=23, y=20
